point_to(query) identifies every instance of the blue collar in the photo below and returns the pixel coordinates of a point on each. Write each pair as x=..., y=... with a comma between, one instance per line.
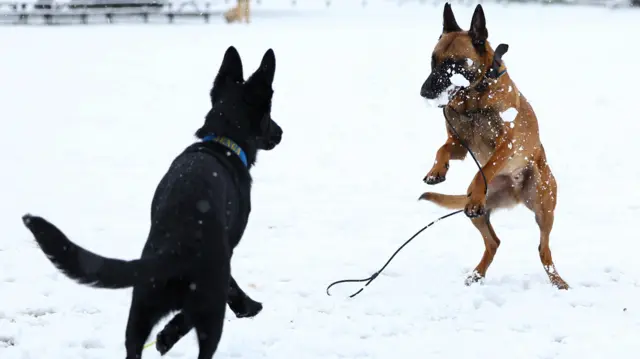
x=226, y=142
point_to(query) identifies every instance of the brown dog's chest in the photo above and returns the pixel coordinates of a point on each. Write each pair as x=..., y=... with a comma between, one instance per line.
x=479, y=129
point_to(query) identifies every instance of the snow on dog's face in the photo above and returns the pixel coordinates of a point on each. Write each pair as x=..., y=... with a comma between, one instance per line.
x=443, y=88
x=458, y=58
x=446, y=77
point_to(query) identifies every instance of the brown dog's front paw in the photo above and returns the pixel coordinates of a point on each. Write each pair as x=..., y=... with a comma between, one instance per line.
x=436, y=175
x=475, y=207
x=434, y=178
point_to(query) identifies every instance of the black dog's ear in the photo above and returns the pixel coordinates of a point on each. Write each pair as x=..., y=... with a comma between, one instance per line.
x=230, y=68
x=449, y=23
x=478, y=30
x=267, y=67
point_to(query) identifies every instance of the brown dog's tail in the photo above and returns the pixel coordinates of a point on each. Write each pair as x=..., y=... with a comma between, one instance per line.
x=445, y=200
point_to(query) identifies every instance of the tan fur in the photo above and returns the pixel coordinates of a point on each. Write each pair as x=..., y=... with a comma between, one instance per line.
x=242, y=10
x=511, y=155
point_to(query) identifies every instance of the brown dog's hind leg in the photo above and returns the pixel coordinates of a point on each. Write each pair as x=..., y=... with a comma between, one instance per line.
x=491, y=244
x=503, y=193
x=541, y=199
x=545, y=222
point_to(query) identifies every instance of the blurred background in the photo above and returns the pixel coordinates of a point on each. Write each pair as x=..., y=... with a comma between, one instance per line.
x=57, y=12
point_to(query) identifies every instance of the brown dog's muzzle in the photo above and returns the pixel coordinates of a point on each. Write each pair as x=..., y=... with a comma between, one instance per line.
x=434, y=85
x=439, y=79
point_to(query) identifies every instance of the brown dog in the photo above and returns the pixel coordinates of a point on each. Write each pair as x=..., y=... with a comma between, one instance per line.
x=511, y=155
x=241, y=11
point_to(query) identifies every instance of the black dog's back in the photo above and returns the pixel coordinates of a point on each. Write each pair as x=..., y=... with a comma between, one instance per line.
x=200, y=192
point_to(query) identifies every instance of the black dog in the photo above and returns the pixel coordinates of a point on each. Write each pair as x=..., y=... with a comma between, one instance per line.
x=199, y=213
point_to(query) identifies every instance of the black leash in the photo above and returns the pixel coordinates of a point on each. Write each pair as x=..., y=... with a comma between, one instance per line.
x=376, y=274
x=491, y=73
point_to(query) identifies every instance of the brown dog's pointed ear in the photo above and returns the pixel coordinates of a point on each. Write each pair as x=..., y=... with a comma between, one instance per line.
x=478, y=30
x=494, y=70
x=500, y=51
x=449, y=23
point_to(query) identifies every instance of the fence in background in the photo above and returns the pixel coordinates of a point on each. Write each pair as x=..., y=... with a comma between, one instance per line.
x=69, y=12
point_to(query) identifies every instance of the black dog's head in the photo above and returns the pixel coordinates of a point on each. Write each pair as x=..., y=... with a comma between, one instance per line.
x=465, y=54
x=241, y=110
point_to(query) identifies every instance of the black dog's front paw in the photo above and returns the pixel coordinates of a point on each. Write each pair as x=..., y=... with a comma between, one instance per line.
x=248, y=308
x=165, y=340
x=177, y=327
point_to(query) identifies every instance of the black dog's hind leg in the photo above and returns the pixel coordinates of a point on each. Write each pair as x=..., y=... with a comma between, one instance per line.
x=240, y=303
x=206, y=306
x=143, y=315
x=177, y=328
x=208, y=320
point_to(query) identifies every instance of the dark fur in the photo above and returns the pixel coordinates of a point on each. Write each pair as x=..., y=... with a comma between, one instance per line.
x=198, y=215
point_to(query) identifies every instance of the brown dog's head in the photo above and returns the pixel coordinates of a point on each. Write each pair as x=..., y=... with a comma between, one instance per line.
x=461, y=56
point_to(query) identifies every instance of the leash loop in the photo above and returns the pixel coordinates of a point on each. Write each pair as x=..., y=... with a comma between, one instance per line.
x=376, y=274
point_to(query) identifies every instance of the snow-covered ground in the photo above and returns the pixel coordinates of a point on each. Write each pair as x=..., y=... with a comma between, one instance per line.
x=92, y=117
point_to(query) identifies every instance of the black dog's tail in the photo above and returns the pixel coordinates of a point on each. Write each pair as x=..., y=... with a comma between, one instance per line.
x=91, y=269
